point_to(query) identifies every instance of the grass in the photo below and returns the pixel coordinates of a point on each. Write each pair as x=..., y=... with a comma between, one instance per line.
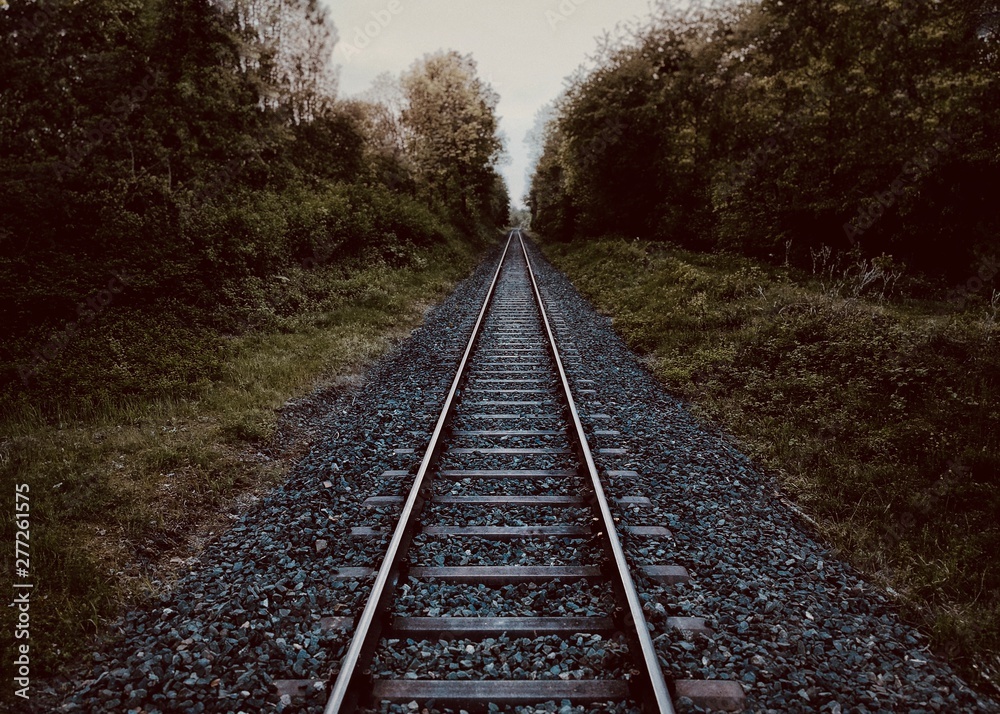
x=123, y=495
x=879, y=418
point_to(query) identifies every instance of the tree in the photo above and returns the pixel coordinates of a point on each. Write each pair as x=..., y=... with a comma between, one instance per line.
x=451, y=131
x=774, y=128
x=288, y=51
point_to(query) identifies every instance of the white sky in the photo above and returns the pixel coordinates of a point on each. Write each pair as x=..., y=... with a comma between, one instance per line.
x=519, y=50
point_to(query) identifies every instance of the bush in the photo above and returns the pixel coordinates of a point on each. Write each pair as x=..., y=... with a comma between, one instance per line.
x=191, y=272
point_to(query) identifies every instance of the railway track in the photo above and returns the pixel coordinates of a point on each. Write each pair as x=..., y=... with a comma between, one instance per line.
x=500, y=585
x=509, y=482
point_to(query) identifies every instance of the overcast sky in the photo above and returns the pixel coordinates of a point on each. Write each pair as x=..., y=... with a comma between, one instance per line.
x=524, y=49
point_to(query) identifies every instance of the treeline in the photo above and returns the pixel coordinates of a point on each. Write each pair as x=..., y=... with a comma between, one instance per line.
x=782, y=129
x=163, y=161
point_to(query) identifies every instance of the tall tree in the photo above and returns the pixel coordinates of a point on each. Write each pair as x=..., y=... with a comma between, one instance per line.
x=451, y=130
x=288, y=49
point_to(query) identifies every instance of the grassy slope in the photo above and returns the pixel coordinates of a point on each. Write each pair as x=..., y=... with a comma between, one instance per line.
x=881, y=420
x=116, y=495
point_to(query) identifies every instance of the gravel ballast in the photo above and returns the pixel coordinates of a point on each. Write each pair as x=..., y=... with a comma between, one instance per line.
x=800, y=630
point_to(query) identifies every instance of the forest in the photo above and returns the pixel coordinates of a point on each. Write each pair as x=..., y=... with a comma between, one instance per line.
x=173, y=158
x=776, y=130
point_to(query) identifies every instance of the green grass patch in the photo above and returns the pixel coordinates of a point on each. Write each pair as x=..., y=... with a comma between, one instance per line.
x=121, y=484
x=881, y=419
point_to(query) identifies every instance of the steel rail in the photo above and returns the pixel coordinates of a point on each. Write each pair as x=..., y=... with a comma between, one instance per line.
x=656, y=696
x=344, y=695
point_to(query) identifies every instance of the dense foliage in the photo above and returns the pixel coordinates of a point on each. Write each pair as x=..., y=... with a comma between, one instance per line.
x=160, y=158
x=773, y=129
